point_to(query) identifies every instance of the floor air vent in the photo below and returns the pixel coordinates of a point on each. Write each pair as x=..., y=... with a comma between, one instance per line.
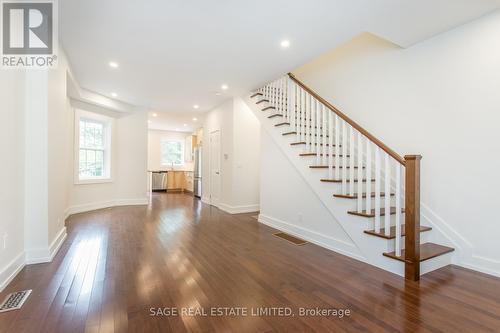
x=290, y=238
x=14, y=301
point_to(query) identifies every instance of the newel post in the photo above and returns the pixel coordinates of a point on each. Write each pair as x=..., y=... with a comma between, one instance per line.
x=412, y=217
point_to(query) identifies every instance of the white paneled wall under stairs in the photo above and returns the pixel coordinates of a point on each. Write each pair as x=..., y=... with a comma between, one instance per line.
x=372, y=191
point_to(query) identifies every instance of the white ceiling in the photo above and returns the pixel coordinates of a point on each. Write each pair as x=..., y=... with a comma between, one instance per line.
x=177, y=53
x=175, y=121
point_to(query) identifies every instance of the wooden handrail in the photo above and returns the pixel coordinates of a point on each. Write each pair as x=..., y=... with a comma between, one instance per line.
x=351, y=122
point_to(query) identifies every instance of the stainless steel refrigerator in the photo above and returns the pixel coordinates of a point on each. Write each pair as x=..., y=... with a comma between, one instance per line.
x=197, y=172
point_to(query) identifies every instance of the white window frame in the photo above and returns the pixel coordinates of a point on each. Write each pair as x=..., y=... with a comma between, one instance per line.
x=108, y=124
x=162, y=140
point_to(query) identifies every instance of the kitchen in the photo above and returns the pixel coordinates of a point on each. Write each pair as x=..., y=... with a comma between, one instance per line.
x=174, y=156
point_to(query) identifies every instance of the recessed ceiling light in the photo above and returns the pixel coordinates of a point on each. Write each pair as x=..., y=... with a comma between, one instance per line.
x=285, y=43
x=196, y=106
x=155, y=115
x=224, y=87
x=195, y=119
x=113, y=64
x=113, y=94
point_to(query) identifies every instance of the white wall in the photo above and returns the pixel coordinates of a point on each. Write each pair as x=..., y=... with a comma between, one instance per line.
x=154, y=149
x=36, y=218
x=240, y=155
x=439, y=99
x=288, y=203
x=60, y=147
x=246, y=152
x=128, y=167
x=12, y=88
x=37, y=177
x=219, y=119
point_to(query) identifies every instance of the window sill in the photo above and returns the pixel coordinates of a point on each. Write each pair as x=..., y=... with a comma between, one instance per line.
x=93, y=181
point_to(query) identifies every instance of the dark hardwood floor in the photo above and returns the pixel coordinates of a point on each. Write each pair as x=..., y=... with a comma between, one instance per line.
x=118, y=263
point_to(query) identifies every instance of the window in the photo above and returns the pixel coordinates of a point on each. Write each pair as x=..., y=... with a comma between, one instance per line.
x=172, y=152
x=93, y=136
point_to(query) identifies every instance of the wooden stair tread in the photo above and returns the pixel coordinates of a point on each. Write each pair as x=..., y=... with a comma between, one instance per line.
x=294, y=132
x=303, y=143
x=355, y=196
x=314, y=154
x=288, y=124
x=268, y=108
x=326, y=167
x=364, y=213
x=256, y=94
x=262, y=101
x=275, y=115
x=392, y=232
x=340, y=180
x=427, y=251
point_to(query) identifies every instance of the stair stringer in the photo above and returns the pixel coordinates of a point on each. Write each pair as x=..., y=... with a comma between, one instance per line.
x=370, y=247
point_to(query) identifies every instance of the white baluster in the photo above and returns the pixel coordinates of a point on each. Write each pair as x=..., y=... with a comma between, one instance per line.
x=282, y=97
x=296, y=110
x=360, y=173
x=344, y=158
x=314, y=138
x=298, y=115
x=273, y=93
x=325, y=131
x=330, y=144
x=318, y=133
x=299, y=111
x=368, y=176
x=277, y=96
x=387, y=190
x=304, y=116
x=337, y=150
x=285, y=99
x=351, y=159
x=293, y=109
x=377, y=189
x=288, y=100
x=398, y=209
x=307, y=104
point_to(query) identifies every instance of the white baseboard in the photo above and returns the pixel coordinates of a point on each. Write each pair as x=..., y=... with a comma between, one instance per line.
x=464, y=251
x=39, y=256
x=29, y=257
x=239, y=209
x=482, y=264
x=205, y=200
x=9, y=272
x=57, y=243
x=314, y=237
x=105, y=204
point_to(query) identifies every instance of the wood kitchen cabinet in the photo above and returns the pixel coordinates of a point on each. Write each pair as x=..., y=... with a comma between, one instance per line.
x=199, y=137
x=175, y=180
x=180, y=181
x=189, y=181
x=189, y=145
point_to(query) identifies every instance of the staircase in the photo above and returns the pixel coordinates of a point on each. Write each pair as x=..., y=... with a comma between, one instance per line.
x=367, y=181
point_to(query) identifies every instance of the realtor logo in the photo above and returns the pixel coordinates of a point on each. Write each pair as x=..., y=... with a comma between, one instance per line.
x=28, y=34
